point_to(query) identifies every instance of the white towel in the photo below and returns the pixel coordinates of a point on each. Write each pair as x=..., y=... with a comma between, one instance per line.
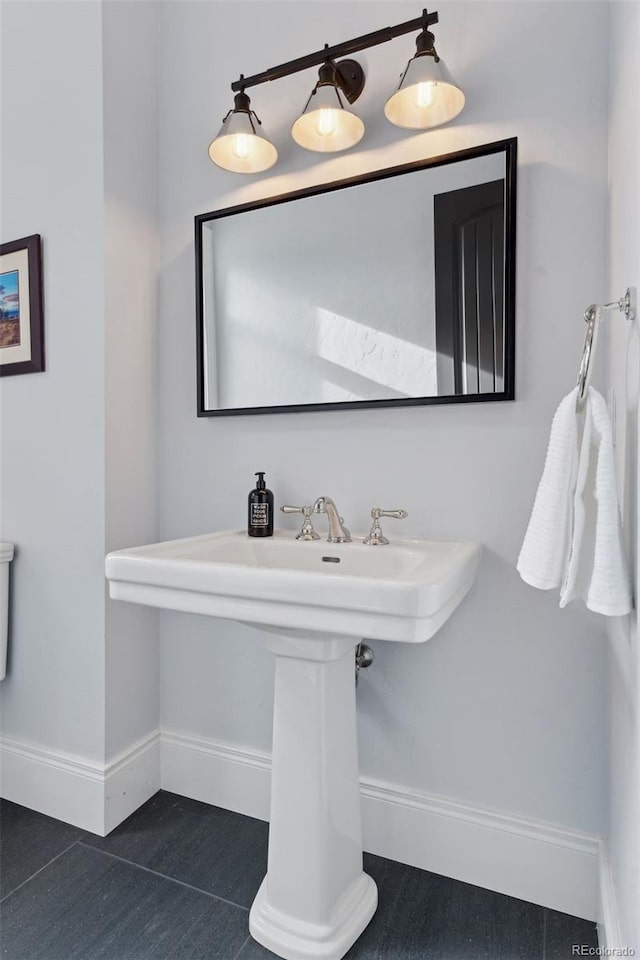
x=543, y=558
x=573, y=541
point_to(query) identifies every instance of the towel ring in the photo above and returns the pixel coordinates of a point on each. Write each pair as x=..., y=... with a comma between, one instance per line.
x=593, y=314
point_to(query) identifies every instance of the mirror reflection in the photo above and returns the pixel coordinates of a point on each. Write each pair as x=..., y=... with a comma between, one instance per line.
x=394, y=288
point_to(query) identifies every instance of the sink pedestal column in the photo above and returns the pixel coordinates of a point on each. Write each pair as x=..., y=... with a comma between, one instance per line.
x=315, y=899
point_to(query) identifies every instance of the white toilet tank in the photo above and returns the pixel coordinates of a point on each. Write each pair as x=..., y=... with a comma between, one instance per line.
x=6, y=556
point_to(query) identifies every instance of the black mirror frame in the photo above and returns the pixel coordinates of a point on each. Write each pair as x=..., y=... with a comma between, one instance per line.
x=509, y=147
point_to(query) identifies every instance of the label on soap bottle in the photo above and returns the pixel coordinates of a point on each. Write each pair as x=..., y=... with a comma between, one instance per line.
x=260, y=514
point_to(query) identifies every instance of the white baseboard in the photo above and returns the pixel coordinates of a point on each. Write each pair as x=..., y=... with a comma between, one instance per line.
x=539, y=862
x=609, y=936
x=57, y=784
x=216, y=773
x=88, y=795
x=544, y=864
x=130, y=780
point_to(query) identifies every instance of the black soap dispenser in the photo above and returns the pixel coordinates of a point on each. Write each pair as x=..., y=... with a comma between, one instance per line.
x=260, y=510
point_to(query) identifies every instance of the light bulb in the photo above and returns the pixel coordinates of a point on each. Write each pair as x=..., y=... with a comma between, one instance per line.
x=326, y=124
x=241, y=146
x=425, y=95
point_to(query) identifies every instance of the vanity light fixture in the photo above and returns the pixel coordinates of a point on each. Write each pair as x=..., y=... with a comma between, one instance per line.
x=240, y=145
x=427, y=97
x=325, y=124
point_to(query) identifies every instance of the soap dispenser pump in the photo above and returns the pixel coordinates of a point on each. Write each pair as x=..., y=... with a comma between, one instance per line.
x=260, y=509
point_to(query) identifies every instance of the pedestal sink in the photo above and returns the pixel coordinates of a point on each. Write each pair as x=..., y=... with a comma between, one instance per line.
x=315, y=601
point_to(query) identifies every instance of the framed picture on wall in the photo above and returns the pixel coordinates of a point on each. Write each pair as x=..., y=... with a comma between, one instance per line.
x=21, y=316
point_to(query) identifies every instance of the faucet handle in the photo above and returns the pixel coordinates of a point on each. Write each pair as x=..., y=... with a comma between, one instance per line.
x=307, y=532
x=376, y=536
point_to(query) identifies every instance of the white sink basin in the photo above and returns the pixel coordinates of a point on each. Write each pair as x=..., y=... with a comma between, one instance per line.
x=316, y=601
x=402, y=591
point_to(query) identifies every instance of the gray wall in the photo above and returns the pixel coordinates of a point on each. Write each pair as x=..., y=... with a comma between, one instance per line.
x=623, y=831
x=131, y=263
x=79, y=163
x=505, y=706
x=53, y=464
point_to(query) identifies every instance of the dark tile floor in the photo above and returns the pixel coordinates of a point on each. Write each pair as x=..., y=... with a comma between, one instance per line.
x=175, y=881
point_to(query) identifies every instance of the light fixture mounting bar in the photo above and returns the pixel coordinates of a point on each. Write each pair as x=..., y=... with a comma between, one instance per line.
x=339, y=50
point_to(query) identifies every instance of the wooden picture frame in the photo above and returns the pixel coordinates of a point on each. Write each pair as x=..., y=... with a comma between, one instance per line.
x=21, y=310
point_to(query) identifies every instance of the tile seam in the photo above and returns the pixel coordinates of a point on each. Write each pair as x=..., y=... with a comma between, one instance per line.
x=241, y=950
x=163, y=876
x=35, y=874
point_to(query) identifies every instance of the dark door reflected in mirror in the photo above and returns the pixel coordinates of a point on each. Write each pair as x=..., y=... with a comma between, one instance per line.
x=393, y=288
x=469, y=277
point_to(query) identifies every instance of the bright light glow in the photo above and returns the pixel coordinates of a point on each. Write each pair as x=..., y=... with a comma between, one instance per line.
x=241, y=146
x=425, y=95
x=327, y=122
x=408, y=369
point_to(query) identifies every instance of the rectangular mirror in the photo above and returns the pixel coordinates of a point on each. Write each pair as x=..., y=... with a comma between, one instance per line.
x=396, y=287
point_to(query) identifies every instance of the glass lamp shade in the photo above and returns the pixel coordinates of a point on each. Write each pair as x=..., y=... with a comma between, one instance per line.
x=426, y=97
x=240, y=146
x=325, y=125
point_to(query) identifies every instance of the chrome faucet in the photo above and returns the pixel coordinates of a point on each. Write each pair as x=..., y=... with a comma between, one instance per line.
x=338, y=533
